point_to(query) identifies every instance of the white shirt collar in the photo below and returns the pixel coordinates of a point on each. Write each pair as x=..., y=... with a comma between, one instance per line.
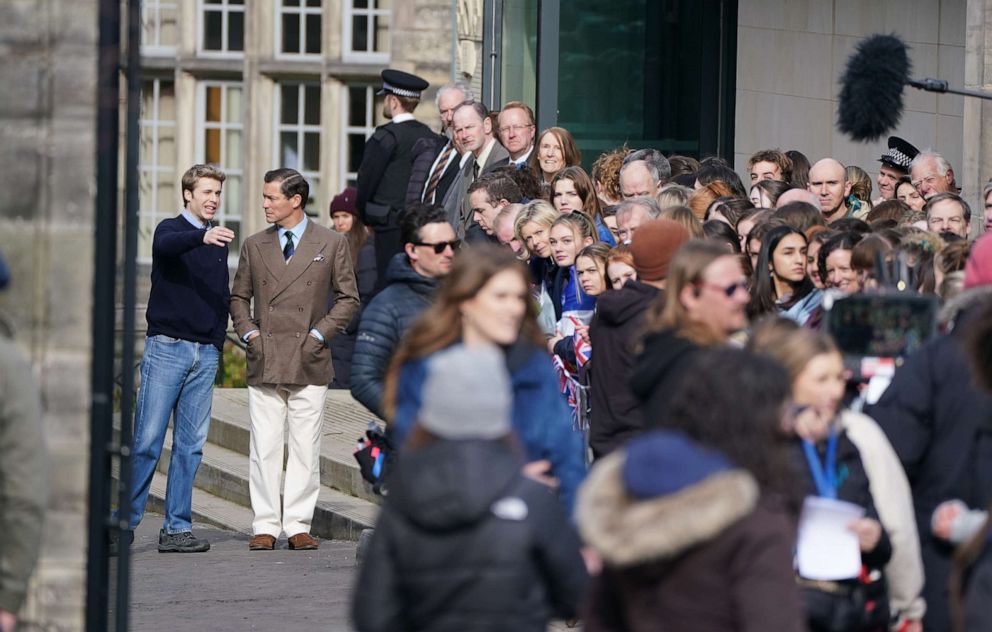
x=192, y=220
x=402, y=117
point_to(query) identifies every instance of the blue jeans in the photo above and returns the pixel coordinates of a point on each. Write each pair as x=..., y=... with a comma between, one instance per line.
x=177, y=380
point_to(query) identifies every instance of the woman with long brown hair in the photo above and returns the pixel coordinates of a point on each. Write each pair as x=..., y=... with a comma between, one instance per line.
x=555, y=149
x=572, y=190
x=486, y=300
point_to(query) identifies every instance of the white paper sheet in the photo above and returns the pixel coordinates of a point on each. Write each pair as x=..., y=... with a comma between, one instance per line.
x=827, y=548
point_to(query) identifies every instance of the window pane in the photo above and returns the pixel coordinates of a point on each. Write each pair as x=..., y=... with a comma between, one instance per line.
x=147, y=99
x=169, y=27
x=290, y=3
x=356, y=105
x=146, y=138
x=290, y=104
x=168, y=199
x=232, y=141
x=361, y=4
x=291, y=33
x=215, y=1
x=359, y=33
x=212, y=30
x=288, y=151
x=356, y=146
x=313, y=3
x=234, y=105
x=213, y=103
x=236, y=31
x=381, y=34
x=149, y=36
x=311, y=153
x=167, y=101
x=234, y=246
x=211, y=152
x=166, y=145
x=313, y=34
x=230, y=200
x=311, y=113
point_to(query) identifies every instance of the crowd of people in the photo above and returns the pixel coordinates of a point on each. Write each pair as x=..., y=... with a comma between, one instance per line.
x=610, y=394
x=663, y=367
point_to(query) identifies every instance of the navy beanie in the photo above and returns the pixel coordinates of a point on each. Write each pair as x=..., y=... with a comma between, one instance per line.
x=665, y=462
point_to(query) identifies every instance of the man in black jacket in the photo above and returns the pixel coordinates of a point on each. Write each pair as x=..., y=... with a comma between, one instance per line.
x=429, y=246
x=386, y=163
x=940, y=425
x=615, y=334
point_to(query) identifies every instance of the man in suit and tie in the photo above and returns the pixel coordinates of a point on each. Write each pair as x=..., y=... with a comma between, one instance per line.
x=290, y=270
x=436, y=159
x=474, y=134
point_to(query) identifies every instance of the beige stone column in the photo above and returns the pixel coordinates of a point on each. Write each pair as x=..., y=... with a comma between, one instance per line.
x=977, y=167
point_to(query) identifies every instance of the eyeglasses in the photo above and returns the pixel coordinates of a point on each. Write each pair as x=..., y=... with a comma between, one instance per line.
x=441, y=245
x=516, y=129
x=728, y=290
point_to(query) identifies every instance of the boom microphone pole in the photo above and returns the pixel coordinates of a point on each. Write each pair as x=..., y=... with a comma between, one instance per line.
x=870, y=100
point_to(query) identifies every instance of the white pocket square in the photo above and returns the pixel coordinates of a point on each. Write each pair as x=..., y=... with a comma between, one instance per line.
x=319, y=258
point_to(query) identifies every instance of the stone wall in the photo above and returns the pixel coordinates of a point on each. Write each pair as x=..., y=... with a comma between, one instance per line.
x=47, y=173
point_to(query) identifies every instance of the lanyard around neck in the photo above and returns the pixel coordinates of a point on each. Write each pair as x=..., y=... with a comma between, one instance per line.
x=824, y=474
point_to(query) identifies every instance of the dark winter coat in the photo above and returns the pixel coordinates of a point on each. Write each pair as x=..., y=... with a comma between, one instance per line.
x=615, y=334
x=658, y=370
x=708, y=556
x=343, y=345
x=940, y=425
x=464, y=542
x=384, y=321
x=541, y=418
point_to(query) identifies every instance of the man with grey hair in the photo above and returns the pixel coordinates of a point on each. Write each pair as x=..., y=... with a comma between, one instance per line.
x=643, y=173
x=932, y=174
x=633, y=212
x=436, y=158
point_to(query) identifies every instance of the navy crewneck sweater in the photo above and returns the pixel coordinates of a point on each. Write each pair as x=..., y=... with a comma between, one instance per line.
x=191, y=293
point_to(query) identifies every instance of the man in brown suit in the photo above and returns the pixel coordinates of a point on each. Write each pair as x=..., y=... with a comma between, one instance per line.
x=289, y=270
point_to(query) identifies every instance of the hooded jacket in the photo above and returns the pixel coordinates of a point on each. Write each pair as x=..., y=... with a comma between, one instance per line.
x=615, y=333
x=692, y=547
x=940, y=425
x=384, y=322
x=659, y=369
x=464, y=542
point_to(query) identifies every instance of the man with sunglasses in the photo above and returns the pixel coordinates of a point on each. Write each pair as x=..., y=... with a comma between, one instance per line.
x=429, y=246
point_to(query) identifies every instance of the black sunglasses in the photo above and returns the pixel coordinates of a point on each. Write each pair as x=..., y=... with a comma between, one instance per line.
x=441, y=245
x=728, y=290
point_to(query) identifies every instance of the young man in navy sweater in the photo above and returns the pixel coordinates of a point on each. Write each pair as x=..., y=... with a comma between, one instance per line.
x=187, y=323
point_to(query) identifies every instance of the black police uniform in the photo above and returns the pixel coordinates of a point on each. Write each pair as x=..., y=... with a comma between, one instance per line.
x=385, y=170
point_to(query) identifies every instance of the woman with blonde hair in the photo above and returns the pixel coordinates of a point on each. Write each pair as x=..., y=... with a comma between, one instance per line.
x=686, y=218
x=484, y=300
x=816, y=369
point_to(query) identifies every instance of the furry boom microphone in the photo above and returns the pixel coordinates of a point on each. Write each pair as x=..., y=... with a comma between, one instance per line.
x=870, y=100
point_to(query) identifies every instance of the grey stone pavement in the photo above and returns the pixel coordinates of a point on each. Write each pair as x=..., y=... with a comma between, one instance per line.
x=232, y=588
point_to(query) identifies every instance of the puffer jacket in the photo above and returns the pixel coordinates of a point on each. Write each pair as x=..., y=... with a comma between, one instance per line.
x=615, y=334
x=343, y=345
x=384, y=322
x=464, y=542
x=940, y=425
x=541, y=419
x=703, y=551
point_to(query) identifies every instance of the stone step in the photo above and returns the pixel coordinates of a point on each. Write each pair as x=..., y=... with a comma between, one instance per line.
x=345, y=421
x=207, y=508
x=223, y=473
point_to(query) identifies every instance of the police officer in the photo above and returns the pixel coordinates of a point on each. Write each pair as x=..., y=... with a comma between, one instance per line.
x=385, y=171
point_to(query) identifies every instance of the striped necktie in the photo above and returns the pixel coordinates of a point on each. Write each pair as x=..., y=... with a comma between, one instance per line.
x=438, y=172
x=288, y=251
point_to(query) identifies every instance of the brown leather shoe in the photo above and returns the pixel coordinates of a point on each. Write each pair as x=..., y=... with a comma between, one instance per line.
x=262, y=542
x=303, y=542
